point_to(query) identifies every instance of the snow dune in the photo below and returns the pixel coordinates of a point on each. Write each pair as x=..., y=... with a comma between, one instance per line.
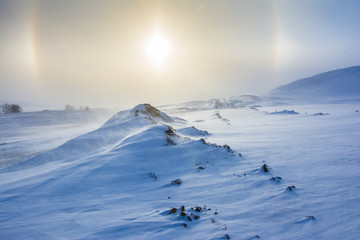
x=336, y=84
x=148, y=175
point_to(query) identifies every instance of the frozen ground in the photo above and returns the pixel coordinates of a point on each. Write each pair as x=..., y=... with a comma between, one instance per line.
x=117, y=181
x=23, y=135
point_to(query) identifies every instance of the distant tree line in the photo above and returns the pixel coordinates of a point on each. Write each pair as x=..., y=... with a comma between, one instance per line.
x=10, y=108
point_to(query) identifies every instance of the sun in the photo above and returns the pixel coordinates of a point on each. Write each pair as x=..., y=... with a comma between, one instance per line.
x=158, y=49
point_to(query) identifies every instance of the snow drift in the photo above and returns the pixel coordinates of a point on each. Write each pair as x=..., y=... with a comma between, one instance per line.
x=341, y=83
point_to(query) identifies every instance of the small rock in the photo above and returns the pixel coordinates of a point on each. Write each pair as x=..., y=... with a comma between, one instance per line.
x=290, y=188
x=265, y=168
x=216, y=213
x=182, y=214
x=183, y=208
x=227, y=236
x=185, y=225
x=177, y=181
x=201, y=168
x=196, y=217
x=153, y=175
x=198, y=209
x=169, y=197
x=170, y=131
x=276, y=179
x=173, y=210
x=311, y=217
x=188, y=217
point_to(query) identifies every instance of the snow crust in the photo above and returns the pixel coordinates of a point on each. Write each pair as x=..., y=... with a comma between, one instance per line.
x=123, y=180
x=336, y=84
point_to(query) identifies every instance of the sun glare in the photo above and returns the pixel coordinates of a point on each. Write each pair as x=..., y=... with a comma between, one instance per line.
x=158, y=49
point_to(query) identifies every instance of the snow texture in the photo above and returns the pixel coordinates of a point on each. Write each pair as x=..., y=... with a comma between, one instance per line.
x=341, y=83
x=144, y=174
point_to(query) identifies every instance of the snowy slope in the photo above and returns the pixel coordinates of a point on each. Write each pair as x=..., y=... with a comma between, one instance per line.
x=120, y=180
x=341, y=83
x=23, y=135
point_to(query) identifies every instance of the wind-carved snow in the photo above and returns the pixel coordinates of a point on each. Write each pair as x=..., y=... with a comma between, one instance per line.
x=336, y=84
x=147, y=175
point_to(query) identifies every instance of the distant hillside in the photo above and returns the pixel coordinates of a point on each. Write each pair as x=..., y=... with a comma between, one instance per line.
x=341, y=83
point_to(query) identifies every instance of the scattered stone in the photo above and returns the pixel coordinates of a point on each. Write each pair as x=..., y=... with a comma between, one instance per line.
x=170, y=131
x=290, y=188
x=198, y=209
x=176, y=181
x=169, y=197
x=201, y=168
x=188, y=217
x=311, y=217
x=196, y=217
x=185, y=225
x=320, y=114
x=183, y=208
x=265, y=168
x=182, y=214
x=276, y=179
x=173, y=210
x=216, y=212
x=227, y=236
x=153, y=175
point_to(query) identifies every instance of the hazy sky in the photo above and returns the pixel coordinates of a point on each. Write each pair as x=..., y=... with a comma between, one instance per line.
x=95, y=53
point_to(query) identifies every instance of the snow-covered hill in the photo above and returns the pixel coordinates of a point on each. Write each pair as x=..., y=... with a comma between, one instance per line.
x=336, y=84
x=23, y=135
x=148, y=175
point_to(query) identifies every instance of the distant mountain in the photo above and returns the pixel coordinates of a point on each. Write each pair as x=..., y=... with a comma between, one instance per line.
x=341, y=83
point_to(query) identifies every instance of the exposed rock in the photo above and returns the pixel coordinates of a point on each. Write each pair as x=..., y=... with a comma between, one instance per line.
x=197, y=209
x=227, y=147
x=170, y=133
x=290, y=188
x=177, y=181
x=153, y=175
x=173, y=210
x=265, y=168
x=276, y=179
x=151, y=113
